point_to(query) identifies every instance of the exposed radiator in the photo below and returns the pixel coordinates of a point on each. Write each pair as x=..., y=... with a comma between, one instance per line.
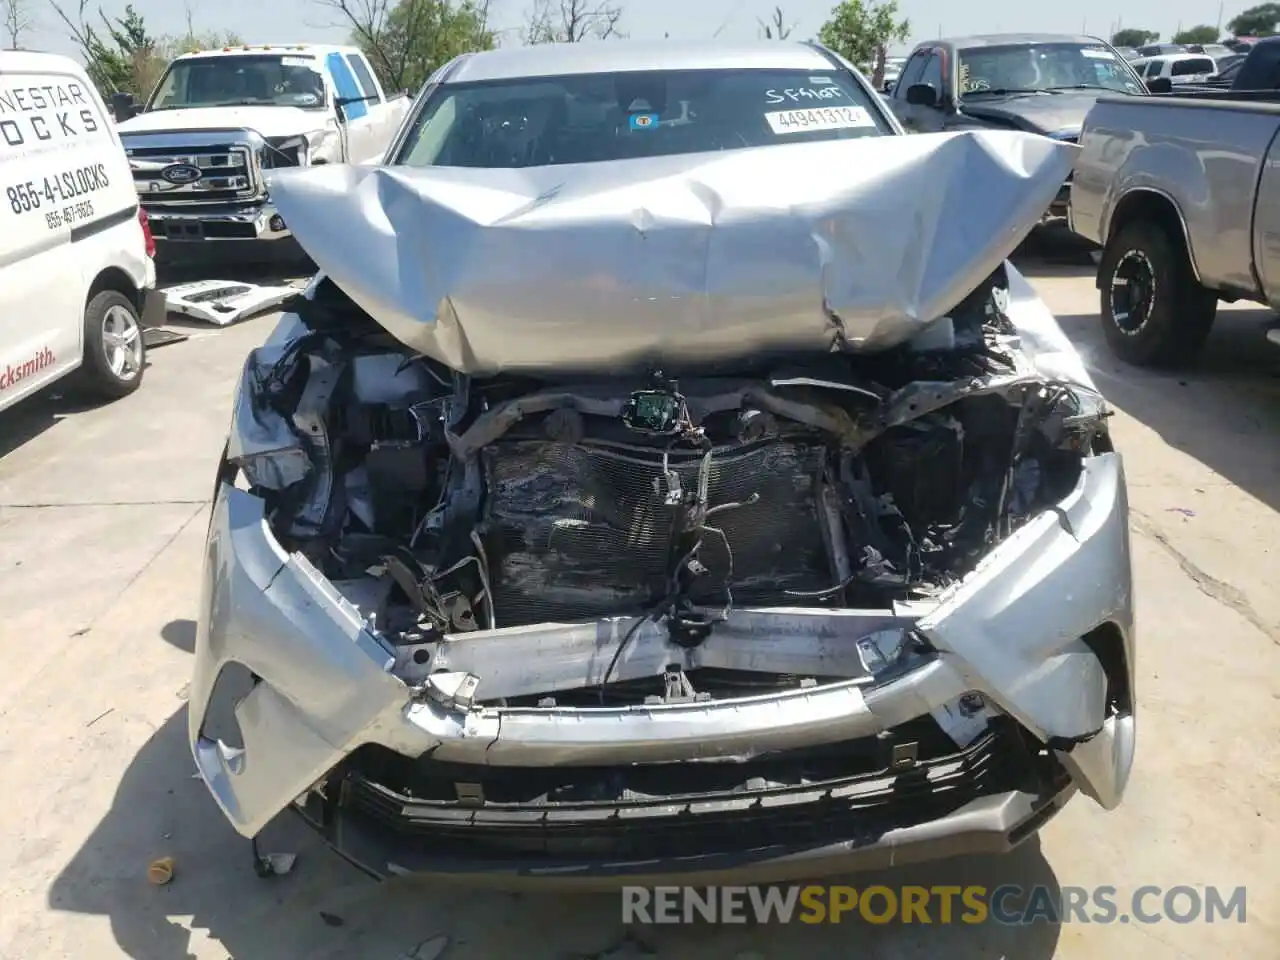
x=581, y=531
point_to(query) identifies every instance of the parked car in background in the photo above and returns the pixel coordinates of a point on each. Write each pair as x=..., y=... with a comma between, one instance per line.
x=1129, y=53
x=1228, y=67
x=1161, y=49
x=1183, y=192
x=1177, y=68
x=1042, y=83
x=204, y=145
x=77, y=282
x=892, y=70
x=1215, y=50
x=487, y=591
x=1254, y=74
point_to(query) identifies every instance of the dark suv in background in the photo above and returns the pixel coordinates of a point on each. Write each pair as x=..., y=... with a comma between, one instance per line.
x=1036, y=82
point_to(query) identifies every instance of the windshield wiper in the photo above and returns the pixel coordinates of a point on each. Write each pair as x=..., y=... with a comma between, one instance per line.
x=1005, y=91
x=242, y=103
x=1087, y=86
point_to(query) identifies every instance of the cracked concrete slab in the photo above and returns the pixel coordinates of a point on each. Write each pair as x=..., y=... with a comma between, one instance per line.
x=92, y=724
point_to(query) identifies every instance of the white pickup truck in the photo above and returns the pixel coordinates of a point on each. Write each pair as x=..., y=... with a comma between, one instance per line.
x=219, y=122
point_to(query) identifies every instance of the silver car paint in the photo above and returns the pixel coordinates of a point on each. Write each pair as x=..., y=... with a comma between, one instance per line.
x=1215, y=162
x=329, y=685
x=857, y=245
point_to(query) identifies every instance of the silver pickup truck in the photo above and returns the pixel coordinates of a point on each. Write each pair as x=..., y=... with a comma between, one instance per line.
x=1183, y=194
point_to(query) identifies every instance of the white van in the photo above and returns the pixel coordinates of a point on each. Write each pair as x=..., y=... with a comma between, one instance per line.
x=77, y=278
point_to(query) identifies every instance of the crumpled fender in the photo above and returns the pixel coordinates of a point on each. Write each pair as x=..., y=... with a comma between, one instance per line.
x=1015, y=628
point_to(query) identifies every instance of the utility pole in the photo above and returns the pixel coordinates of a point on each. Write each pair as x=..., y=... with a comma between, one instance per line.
x=1219, y=19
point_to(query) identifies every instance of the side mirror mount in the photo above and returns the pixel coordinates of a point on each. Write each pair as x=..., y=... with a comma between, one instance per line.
x=124, y=107
x=922, y=95
x=1160, y=85
x=340, y=104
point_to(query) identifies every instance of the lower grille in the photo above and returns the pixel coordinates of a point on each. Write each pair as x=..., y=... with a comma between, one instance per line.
x=579, y=531
x=858, y=808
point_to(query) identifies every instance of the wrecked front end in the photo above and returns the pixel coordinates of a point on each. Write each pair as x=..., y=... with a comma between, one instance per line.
x=493, y=628
x=798, y=615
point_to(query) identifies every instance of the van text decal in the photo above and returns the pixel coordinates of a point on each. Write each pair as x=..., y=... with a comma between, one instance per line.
x=52, y=193
x=46, y=114
x=11, y=376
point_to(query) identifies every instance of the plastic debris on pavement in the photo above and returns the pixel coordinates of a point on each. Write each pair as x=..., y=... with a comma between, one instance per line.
x=432, y=949
x=160, y=871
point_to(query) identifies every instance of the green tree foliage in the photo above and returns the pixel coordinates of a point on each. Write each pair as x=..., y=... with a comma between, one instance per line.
x=1133, y=37
x=1259, y=21
x=118, y=52
x=406, y=40
x=861, y=31
x=1201, y=34
x=122, y=56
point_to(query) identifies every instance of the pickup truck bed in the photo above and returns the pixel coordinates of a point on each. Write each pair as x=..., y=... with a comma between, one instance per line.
x=1183, y=193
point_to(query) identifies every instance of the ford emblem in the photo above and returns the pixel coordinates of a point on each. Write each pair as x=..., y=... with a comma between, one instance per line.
x=181, y=173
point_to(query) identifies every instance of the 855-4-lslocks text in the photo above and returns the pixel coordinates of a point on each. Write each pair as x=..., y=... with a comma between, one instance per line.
x=32, y=195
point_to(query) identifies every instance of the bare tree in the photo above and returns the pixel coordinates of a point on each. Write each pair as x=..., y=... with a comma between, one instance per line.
x=777, y=28
x=17, y=20
x=572, y=21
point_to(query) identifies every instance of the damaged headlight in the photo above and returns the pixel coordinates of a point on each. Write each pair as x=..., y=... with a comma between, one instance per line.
x=291, y=151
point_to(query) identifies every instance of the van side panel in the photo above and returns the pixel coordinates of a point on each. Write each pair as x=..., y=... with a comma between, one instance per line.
x=68, y=209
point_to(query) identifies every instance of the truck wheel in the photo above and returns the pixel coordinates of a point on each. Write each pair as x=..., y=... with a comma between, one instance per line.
x=1154, y=313
x=114, y=354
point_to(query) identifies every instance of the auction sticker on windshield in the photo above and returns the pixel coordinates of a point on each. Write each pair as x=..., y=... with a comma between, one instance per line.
x=818, y=118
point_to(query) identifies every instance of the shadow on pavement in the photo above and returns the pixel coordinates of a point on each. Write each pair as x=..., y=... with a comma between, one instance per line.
x=326, y=909
x=41, y=411
x=1224, y=411
x=180, y=634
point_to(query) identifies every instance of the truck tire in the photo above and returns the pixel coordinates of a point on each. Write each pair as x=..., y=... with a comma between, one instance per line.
x=114, y=352
x=1153, y=311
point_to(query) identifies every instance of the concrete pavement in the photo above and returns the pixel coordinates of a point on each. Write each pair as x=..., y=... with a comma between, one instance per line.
x=102, y=519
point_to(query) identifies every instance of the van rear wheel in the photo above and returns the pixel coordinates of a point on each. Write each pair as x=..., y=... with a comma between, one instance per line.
x=114, y=354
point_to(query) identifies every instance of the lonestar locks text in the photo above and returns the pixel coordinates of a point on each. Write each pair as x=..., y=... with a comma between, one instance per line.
x=36, y=115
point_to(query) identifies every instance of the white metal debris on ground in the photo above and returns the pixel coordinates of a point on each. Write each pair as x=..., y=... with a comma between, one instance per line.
x=224, y=302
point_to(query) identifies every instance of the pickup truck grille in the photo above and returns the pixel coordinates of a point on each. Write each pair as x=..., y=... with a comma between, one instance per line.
x=226, y=174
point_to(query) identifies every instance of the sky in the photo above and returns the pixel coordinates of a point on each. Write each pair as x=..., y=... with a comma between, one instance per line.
x=297, y=21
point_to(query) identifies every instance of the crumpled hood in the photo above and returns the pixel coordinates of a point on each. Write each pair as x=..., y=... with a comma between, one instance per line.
x=1038, y=113
x=842, y=245
x=268, y=121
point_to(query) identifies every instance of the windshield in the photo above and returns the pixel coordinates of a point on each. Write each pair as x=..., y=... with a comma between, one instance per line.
x=241, y=80
x=589, y=118
x=1049, y=67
